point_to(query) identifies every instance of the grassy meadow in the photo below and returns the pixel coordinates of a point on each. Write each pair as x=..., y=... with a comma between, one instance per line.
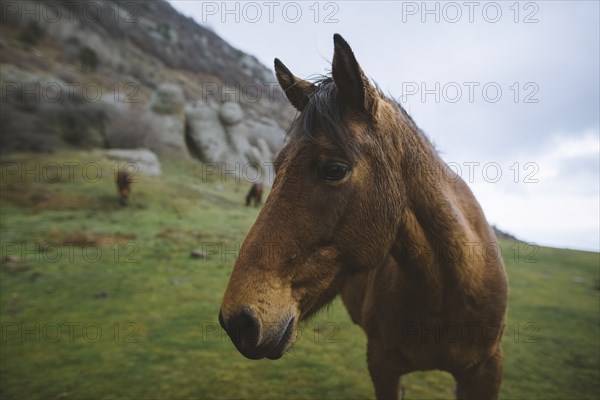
x=103, y=301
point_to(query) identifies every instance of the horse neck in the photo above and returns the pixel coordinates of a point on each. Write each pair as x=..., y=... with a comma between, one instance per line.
x=434, y=235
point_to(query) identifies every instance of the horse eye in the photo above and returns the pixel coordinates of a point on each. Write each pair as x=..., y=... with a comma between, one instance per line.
x=334, y=171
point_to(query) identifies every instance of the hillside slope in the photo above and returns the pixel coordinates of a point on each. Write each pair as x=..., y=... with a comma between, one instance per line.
x=101, y=301
x=132, y=74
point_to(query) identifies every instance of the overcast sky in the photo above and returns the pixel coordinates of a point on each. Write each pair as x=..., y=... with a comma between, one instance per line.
x=499, y=88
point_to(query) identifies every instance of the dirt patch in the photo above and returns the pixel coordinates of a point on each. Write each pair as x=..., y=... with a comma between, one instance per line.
x=38, y=199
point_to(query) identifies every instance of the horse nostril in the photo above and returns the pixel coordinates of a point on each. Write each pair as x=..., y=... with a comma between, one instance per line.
x=244, y=329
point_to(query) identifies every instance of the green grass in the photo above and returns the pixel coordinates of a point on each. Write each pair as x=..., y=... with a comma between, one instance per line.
x=156, y=308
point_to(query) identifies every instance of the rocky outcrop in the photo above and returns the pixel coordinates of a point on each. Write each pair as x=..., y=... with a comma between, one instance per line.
x=223, y=134
x=164, y=83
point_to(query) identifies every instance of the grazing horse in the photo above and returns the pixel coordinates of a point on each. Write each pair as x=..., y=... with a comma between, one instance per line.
x=362, y=206
x=255, y=193
x=124, y=180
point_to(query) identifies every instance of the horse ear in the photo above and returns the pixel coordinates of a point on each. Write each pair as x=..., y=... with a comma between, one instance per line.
x=296, y=89
x=352, y=84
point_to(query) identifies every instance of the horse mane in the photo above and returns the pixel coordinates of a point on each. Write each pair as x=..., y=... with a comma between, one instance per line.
x=323, y=113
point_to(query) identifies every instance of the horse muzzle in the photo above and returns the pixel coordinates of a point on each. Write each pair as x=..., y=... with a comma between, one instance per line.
x=255, y=341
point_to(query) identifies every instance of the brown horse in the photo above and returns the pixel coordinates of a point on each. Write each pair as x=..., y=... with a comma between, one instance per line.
x=124, y=181
x=363, y=206
x=255, y=193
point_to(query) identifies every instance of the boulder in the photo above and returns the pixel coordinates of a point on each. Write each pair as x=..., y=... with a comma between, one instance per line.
x=167, y=99
x=253, y=154
x=206, y=135
x=267, y=129
x=198, y=254
x=144, y=160
x=231, y=113
x=167, y=106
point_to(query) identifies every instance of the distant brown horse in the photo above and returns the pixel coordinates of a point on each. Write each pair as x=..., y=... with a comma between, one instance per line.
x=363, y=206
x=255, y=193
x=124, y=181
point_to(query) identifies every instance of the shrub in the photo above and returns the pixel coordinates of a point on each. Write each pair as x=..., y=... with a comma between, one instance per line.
x=88, y=58
x=129, y=128
x=32, y=33
x=80, y=125
x=25, y=131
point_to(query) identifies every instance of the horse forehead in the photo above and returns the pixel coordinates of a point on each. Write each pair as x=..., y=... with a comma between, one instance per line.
x=325, y=142
x=320, y=143
x=354, y=131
